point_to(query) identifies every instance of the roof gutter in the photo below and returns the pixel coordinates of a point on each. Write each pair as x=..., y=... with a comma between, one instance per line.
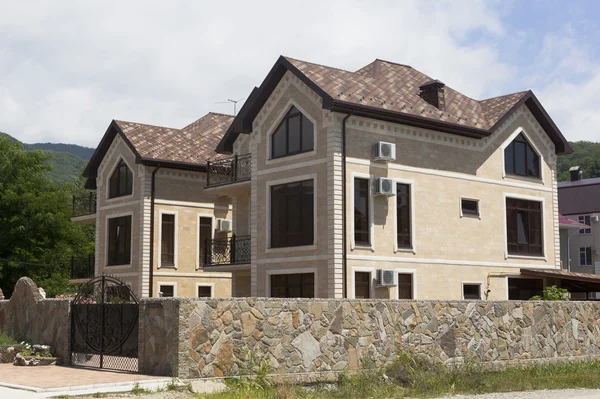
x=344, y=222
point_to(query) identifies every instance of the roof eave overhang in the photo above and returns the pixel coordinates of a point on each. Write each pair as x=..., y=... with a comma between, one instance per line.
x=166, y=163
x=552, y=273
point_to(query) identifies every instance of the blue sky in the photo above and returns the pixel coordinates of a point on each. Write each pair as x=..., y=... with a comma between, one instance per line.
x=68, y=68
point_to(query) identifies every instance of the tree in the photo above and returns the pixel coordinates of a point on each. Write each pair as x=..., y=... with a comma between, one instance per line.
x=586, y=154
x=37, y=237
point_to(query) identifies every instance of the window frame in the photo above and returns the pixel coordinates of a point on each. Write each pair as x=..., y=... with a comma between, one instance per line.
x=115, y=167
x=413, y=241
x=288, y=273
x=372, y=286
x=166, y=283
x=472, y=283
x=413, y=283
x=199, y=245
x=535, y=149
x=585, y=256
x=209, y=285
x=470, y=215
x=161, y=213
x=107, y=262
x=283, y=117
x=370, y=212
x=539, y=200
x=582, y=219
x=296, y=179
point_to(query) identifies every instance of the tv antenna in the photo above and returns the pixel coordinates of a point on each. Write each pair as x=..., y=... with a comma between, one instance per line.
x=230, y=101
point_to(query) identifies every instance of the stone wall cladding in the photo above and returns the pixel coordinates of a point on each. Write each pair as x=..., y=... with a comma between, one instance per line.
x=36, y=320
x=325, y=336
x=158, y=337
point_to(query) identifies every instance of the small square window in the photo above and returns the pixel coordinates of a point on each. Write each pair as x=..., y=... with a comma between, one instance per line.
x=469, y=207
x=167, y=291
x=471, y=291
x=204, y=291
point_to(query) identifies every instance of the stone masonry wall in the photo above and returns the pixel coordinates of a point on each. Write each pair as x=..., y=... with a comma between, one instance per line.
x=321, y=336
x=37, y=320
x=158, y=345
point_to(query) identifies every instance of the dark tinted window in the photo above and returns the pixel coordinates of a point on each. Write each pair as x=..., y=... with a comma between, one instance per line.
x=292, y=214
x=471, y=291
x=294, y=135
x=293, y=285
x=585, y=256
x=524, y=227
x=361, y=212
x=119, y=241
x=204, y=234
x=167, y=244
x=121, y=181
x=405, y=282
x=204, y=292
x=167, y=291
x=523, y=289
x=362, y=285
x=470, y=207
x=521, y=159
x=403, y=215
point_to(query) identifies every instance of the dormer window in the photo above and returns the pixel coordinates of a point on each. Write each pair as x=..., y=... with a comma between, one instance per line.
x=121, y=181
x=294, y=135
x=521, y=159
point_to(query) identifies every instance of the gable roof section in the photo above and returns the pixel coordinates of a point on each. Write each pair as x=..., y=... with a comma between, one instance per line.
x=188, y=148
x=388, y=91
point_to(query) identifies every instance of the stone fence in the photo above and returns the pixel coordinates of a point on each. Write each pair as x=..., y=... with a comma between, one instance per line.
x=316, y=338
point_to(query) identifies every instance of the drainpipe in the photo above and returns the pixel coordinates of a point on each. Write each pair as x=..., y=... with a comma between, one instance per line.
x=151, y=279
x=344, y=229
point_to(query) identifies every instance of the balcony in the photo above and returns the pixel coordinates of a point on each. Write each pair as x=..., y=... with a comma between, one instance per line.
x=84, y=207
x=234, y=250
x=227, y=176
x=82, y=267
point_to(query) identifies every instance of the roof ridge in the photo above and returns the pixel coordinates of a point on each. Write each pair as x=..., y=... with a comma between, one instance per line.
x=505, y=95
x=321, y=65
x=394, y=63
x=146, y=124
x=219, y=114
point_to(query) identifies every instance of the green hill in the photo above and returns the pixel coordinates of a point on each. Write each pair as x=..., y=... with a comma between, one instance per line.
x=68, y=159
x=585, y=154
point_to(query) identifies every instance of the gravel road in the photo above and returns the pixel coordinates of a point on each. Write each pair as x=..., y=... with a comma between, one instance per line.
x=557, y=394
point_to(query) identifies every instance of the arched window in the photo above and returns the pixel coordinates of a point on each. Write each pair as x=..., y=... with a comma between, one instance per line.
x=521, y=159
x=294, y=135
x=121, y=181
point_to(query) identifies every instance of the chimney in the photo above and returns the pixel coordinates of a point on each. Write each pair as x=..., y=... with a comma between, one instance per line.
x=433, y=93
x=576, y=173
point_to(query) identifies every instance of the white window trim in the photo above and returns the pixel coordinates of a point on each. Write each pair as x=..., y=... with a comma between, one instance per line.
x=478, y=200
x=590, y=260
x=414, y=281
x=479, y=283
x=212, y=234
x=371, y=216
x=372, y=287
x=161, y=283
x=269, y=184
x=212, y=288
x=107, y=181
x=271, y=130
x=176, y=238
x=107, y=241
x=413, y=220
x=507, y=142
x=584, y=228
x=270, y=273
x=543, y=216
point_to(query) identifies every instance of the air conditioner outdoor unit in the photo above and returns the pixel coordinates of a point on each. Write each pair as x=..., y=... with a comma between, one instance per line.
x=385, y=186
x=383, y=151
x=224, y=225
x=387, y=278
x=595, y=218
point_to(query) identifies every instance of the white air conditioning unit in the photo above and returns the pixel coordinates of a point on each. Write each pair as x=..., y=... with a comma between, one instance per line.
x=385, y=186
x=595, y=218
x=383, y=151
x=387, y=278
x=224, y=225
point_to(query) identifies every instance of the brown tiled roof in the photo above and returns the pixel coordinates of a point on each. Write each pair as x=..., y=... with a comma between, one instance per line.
x=395, y=87
x=194, y=143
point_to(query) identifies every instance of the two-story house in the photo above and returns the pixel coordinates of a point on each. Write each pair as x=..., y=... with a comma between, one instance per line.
x=386, y=183
x=153, y=217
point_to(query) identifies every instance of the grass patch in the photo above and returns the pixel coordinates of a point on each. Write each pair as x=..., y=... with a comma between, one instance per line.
x=138, y=390
x=6, y=339
x=415, y=377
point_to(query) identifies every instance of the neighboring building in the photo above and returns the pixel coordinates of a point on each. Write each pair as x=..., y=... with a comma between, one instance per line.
x=446, y=197
x=579, y=199
x=150, y=208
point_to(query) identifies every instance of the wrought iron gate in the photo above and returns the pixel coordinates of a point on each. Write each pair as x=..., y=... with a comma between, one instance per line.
x=104, y=325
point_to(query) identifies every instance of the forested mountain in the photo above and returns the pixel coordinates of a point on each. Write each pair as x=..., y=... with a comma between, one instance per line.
x=585, y=154
x=68, y=160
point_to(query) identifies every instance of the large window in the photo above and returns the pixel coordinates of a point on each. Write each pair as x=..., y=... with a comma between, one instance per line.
x=301, y=285
x=403, y=216
x=294, y=135
x=585, y=256
x=362, y=228
x=587, y=221
x=121, y=181
x=292, y=214
x=167, y=240
x=362, y=285
x=524, y=227
x=204, y=234
x=119, y=241
x=405, y=286
x=522, y=289
x=521, y=159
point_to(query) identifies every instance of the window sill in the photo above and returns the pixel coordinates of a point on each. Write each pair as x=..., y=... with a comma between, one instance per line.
x=291, y=249
x=124, y=266
x=534, y=257
x=167, y=267
x=363, y=247
x=284, y=158
x=469, y=216
x=122, y=197
x=528, y=179
x=405, y=250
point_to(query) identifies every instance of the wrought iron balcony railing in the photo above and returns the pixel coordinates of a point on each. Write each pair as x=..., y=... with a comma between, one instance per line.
x=228, y=170
x=82, y=267
x=234, y=250
x=84, y=204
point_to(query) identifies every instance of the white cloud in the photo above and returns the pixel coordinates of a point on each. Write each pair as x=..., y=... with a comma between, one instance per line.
x=67, y=68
